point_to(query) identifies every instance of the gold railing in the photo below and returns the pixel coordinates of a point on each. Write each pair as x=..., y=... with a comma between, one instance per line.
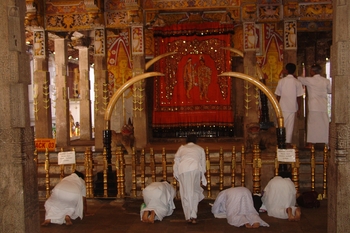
x=223, y=170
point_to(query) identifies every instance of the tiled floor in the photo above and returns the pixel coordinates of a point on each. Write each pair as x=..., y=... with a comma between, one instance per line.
x=123, y=216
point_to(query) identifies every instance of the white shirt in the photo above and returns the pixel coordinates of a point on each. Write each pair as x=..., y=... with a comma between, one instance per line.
x=190, y=157
x=289, y=88
x=317, y=87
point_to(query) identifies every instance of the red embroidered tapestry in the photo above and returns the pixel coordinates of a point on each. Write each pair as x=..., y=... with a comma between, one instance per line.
x=191, y=93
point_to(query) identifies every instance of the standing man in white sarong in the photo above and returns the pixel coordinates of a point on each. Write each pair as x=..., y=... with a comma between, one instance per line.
x=236, y=204
x=159, y=201
x=289, y=93
x=279, y=199
x=189, y=170
x=67, y=200
x=318, y=88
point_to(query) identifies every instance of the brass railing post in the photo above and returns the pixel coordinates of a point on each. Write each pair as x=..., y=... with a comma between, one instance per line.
x=207, y=159
x=152, y=165
x=313, y=166
x=164, y=164
x=325, y=165
x=277, y=164
x=61, y=169
x=142, y=168
x=233, y=166
x=88, y=173
x=295, y=169
x=243, y=167
x=256, y=169
x=221, y=167
x=133, y=175
x=120, y=173
x=47, y=173
x=74, y=165
x=105, y=165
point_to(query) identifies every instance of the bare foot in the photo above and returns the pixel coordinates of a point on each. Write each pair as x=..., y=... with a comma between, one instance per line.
x=256, y=225
x=145, y=216
x=297, y=214
x=68, y=220
x=151, y=217
x=46, y=222
x=194, y=220
x=290, y=214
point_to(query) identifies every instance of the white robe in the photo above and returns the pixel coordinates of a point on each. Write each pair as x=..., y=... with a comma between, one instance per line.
x=189, y=169
x=318, y=89
x=159, y=197
x=279, y=194
x=289, y=89
x=236, y=204
x=66, y=199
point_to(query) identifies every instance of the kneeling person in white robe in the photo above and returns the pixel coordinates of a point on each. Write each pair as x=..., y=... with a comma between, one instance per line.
x=159, y=200
x=279, y=198
x=67, y=200
x=236, y=204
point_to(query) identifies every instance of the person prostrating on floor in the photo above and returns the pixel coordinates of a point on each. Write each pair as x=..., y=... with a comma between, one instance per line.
x=236, y=204
x=158, y=201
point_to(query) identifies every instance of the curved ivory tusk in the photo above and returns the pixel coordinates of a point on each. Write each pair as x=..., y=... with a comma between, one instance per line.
x=239, y=52
x=121, y=90
x=264, y=89
x=154, y=60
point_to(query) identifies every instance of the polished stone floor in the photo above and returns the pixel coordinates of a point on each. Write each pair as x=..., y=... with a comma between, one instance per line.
x=123, y=216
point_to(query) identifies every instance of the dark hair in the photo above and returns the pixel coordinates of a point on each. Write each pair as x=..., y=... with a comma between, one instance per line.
x=290, y=67
x=316, y=68
x=162, y=180
x=285, y=174
x=81, y=175
x=191, y=138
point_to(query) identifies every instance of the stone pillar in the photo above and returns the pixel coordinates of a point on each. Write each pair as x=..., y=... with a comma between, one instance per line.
x=339, y=163
x=62, y=101
x=290, y=56
x=140, y=106
x=251, y=93
x=139, y=94
x=100, y=88
x=19, y=204
x=85, y=103
x=42, y=101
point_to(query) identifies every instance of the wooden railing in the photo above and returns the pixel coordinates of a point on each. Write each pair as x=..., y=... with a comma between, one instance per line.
x=224, y=169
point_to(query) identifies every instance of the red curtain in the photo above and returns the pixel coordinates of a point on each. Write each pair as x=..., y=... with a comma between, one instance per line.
x=191, y=93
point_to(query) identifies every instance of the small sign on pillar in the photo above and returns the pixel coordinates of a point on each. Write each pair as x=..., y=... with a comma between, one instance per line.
x=286, y=155
x=66, y=157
